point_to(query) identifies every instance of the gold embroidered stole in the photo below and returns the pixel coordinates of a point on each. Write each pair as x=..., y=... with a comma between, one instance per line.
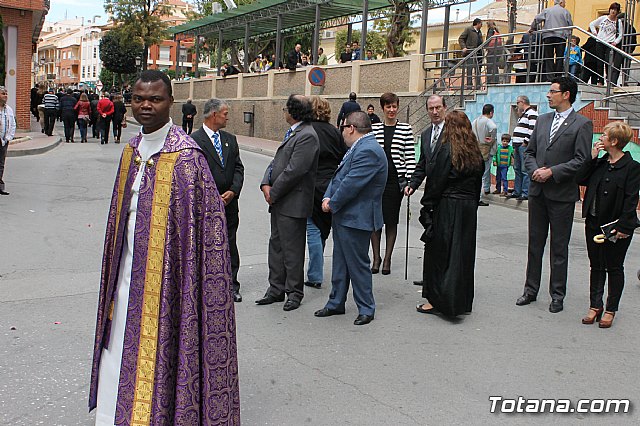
x=145, y=372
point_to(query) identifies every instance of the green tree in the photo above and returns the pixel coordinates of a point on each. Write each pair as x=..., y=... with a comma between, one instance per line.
x=139, y=19
x=118, y=54
x=375, y=42
x=396, y=24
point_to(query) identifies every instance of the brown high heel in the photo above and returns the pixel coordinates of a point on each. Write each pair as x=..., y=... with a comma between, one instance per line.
x=607, y=323
x=375, y=267
x=593, y=315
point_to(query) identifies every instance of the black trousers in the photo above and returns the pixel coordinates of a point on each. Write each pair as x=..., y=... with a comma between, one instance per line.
x=187, y=125
x=553, y=47
x=474, y=65
x=602, y=54
x=545, y=215
x=50, y=116
x=286, y=256
x=117, y=130
x=233, y=220
x=606, y=259
x=69, y=121
x=104, y=123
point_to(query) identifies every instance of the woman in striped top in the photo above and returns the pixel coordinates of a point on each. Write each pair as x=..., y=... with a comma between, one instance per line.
x=397, y=140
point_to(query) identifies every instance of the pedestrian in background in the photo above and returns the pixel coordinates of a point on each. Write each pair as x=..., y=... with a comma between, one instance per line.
x=469, y=40
x=51, y=105
x=7, y=132
x=450, y=217
x=94, y=98
x=322, y=57
x=609, y=30
x=486, y=131
x=347, y=108
x=521, y=134
x=574, y=53
x=554, y=40
x=502, y=160
x=396, y=138
x=332, y=149
x=613, y=183
x=83, y=110
x=119, y=117
x=372, y=115
x=105, y=113
x=42, y=90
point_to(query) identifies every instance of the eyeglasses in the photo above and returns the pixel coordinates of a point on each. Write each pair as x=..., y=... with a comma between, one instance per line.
x=554, y=91
x=285, y=109
x=344, y=126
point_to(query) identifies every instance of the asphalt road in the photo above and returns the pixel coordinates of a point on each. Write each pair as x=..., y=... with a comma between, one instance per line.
x=404, y=368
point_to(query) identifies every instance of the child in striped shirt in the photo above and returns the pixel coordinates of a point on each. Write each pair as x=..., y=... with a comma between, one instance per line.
x=502, y=160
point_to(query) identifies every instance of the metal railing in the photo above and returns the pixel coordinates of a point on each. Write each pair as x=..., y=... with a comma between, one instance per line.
x=458, y=75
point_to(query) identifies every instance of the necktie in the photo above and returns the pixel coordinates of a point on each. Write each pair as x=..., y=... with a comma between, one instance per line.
x=286, y=135
x=218, y=146
x=554, y=126
x=434, y=134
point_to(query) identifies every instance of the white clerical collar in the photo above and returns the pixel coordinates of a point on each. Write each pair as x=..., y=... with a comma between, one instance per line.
x=153, y=142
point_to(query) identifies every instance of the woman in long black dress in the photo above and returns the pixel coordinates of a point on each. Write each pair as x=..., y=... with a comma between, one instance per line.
x=449, y=215
x=612, y=182
x=397, y=140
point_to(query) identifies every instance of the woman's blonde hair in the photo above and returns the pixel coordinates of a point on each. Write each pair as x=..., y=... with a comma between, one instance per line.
x=321, y=109
x=619, y=131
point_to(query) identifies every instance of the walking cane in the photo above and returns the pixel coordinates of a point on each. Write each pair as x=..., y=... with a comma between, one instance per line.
x=406, y=251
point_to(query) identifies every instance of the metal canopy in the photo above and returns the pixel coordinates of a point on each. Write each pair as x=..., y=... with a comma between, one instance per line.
x=262, y=17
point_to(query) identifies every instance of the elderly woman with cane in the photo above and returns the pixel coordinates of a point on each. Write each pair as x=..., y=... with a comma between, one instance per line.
x=609, y=206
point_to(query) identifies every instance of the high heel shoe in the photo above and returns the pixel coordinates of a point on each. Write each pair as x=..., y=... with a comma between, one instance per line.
x=593, y=315
x=386, y=267
x=606, y=323
x=375, y=267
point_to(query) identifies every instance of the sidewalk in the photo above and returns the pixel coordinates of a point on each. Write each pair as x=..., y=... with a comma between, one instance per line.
x=32, y=142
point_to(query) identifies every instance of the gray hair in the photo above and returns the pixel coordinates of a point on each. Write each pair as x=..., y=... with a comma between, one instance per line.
x=524, y=99
x=558, y=1
x=214, y=105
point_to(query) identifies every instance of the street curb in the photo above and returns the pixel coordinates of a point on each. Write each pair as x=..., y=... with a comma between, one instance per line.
x=33, y=151
x=257, y=150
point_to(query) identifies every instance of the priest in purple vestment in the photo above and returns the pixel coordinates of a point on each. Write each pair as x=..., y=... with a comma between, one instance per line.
x=165, y=346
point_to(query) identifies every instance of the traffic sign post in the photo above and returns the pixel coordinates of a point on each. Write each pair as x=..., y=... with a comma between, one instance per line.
x=317, y=76
x=99, y=86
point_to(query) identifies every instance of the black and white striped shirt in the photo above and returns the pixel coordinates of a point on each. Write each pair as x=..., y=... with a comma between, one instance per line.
x=402, y=149
x=524, y=128
x=50, y=101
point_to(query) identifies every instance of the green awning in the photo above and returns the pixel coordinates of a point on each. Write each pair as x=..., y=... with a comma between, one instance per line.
x=262, y=15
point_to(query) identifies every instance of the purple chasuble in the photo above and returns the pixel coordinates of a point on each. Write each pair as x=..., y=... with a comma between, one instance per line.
x=179, y=361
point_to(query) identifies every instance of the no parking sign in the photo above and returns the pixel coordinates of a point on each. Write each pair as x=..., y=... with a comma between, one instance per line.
x=317, y=76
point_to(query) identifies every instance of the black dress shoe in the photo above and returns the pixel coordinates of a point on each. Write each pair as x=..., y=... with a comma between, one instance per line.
x=522, y=198
x=556, y=306
x=312, y=284
x=525, y=299
x=363, y=319
x=268, y=299
x=237, y=297
x=420, y=283
x=513, y=195
x=4, y=193
x=326, y=312
x=482, y=204
x=290, y=305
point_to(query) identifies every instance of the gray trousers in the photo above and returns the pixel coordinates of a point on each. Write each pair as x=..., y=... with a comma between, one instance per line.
x=286, y=256
x=3, y=156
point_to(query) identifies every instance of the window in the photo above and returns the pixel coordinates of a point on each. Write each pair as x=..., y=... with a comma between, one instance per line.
x=94, y=71
x=64, y=72
x=95, y=53
x=165, y=53
x=83, y=72
x=64, y=55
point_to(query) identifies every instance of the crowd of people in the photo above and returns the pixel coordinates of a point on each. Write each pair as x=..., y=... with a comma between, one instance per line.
x=541, y=53
x=81, y=108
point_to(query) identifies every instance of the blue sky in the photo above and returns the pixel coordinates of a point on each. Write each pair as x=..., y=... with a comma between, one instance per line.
x=88, y=8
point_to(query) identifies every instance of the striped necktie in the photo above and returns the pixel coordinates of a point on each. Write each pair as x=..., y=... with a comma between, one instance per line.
x=435, y=135
x=287, y=135
x=218, y=146
x=554, y=126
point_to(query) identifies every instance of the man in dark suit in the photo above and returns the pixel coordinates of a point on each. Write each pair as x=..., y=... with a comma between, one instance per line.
x=354, y=197
x=430, y=142
x=348, y=107
x=223, y=155
x=559, y=145
x=471, y=38
x=188, y=112
x=294, y=58
x=288, y=186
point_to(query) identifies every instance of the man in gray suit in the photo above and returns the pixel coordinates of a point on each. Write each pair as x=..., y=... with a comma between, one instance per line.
x=354, y=196
x=559, y=145
x=288, y=187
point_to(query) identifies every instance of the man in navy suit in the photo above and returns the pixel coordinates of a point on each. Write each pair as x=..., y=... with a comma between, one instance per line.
x=559, y=145
x=354, y=196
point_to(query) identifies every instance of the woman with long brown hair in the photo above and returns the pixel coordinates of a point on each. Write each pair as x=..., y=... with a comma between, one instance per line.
x=449, y=215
